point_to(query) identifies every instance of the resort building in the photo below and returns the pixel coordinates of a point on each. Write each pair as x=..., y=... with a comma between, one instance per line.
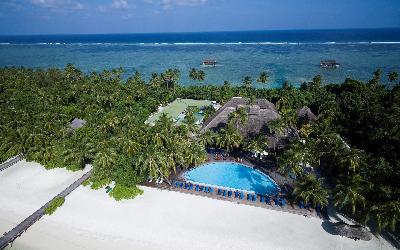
x=176, y=110
x=260, y=113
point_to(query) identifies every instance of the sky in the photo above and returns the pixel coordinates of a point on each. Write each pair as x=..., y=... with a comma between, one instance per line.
x=155, y=16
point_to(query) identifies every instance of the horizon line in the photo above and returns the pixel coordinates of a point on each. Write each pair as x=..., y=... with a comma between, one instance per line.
x=198, y=32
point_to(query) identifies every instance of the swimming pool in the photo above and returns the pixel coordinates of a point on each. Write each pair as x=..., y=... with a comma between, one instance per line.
x=232, y=175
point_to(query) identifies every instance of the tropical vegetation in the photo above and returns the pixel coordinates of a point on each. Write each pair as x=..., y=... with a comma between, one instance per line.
x=354, y=144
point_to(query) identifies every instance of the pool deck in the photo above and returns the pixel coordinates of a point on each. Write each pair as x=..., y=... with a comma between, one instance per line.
x=280, y=180
x=294, y=209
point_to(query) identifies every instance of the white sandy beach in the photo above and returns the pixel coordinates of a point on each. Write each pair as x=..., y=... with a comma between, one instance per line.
x=158, y=219
x=26, y=186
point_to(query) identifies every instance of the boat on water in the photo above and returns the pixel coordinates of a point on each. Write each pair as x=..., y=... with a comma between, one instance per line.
x=209, y=62
x=329, y=64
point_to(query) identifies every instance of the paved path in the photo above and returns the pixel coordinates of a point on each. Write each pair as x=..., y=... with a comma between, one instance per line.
x=10, y=236
x=11, y=162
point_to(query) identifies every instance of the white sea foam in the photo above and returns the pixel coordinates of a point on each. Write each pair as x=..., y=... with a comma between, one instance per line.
x=201, y=43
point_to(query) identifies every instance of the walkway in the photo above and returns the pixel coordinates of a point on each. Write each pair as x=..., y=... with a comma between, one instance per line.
x=11, y=162
x=10, y=236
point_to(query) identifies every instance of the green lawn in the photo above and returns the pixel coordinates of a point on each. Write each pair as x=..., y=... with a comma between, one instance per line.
x=176, y=107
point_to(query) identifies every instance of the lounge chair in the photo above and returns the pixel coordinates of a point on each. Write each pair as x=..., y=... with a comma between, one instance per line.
x=301, y=204
x=219, y=191
x=190, y=186
x=283, y=202
x=205, y=190
x=254, y=197
x=201, y=188
x=248, y=197
x=224, y=193
x=176, y=183
x=276, y=201
x=241, y=195
x=261, y=199
x=210, y=190
x=181, y=184
x=268, y=200
x=229, y=193
x=197, y=188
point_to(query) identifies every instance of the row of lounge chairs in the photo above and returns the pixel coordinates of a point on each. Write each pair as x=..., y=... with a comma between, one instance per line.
x=277, y=201
x=308, y=206
x=190, y=186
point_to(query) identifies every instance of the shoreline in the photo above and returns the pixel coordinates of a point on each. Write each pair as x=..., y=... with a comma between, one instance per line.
x=161, y=219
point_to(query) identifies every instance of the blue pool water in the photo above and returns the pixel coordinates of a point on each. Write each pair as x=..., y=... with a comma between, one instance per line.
x=232, y=175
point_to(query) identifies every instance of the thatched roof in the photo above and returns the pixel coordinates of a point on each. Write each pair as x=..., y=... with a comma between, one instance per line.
x=77, y=123
x=306, y=113
x=260, y=112
x=355, y=232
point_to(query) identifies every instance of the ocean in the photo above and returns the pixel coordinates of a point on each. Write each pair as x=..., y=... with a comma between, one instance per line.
x=290, y=55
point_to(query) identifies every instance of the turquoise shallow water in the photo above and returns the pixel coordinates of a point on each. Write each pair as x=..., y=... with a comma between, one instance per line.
x=232, y=175
x=292, y=55
x=291, y=62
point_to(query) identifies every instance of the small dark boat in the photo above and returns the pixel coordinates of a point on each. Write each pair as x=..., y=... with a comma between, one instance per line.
x=209, y=62
x=329, y=64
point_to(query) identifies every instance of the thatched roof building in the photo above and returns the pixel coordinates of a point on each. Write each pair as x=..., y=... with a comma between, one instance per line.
x=305, y=113
x=260, y=113
x=355, y=232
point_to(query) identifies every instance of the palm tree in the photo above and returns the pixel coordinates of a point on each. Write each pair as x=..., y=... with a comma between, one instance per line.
x=201, y=75
x=155, y=163
x=387, y=214
x=350, y=159
x=238, y=116
x=293, y=159
x=309, y=189
x=247, y=82
x=193, y=74
x=259, y=143
x=195, y=155
x=263, y=78
x=171, y=77
x=208, y=138
x=104, y=163
x=229, y=138
x=350, y=194
x=130, y=146
x=393, y=76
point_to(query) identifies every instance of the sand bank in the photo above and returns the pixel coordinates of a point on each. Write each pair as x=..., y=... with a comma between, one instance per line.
x=26, y=186
x=161, y=219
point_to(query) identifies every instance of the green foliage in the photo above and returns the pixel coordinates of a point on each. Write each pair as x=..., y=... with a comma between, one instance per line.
x=247, y=82
x=263, y=78
x=309, y=189
x=56, y=203
x=120, y=192
x=197, y=75
x=356, y=134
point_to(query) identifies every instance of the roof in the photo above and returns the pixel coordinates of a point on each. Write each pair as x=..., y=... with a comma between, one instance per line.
x=260, y=112
x=306, y=113
x=77, y=123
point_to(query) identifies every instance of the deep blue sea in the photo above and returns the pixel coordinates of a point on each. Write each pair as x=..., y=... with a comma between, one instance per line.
x=291, y=55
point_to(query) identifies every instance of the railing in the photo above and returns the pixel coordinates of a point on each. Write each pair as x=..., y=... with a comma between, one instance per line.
x=10, y=162
x=10, y=236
